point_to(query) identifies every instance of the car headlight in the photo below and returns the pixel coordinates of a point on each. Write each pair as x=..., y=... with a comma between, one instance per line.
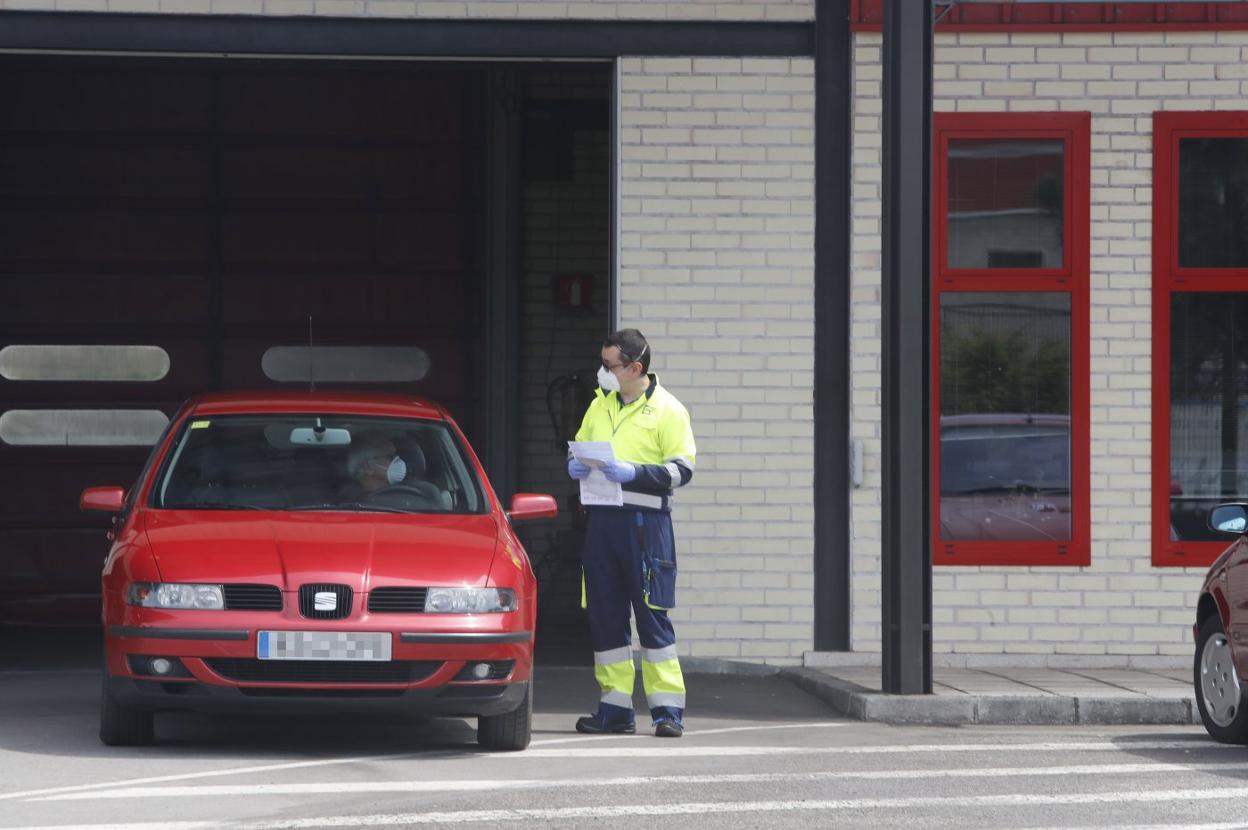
x=176, y=595
x=469, y=600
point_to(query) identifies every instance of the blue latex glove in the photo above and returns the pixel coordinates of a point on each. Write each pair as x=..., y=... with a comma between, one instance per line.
x=577, y=470
x=621, y=472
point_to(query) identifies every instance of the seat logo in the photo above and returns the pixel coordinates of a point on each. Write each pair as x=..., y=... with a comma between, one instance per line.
x=325, y=601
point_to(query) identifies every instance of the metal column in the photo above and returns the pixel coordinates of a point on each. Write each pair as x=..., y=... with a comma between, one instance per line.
x=833, y=76
x=907, y=560
x=500, y=379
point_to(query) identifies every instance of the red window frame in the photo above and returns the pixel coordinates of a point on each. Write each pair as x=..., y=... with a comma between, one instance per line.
x=1168, y=277
x=1074, y=129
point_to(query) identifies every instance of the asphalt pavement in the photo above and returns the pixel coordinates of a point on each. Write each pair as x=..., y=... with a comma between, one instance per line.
x=759, y=751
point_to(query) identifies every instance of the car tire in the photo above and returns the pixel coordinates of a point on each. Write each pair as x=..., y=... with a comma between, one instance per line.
x=1220, y=696
x=124, y=725
x=511, y=731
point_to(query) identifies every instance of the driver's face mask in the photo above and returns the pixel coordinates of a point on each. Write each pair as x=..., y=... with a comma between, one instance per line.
x=397, y=471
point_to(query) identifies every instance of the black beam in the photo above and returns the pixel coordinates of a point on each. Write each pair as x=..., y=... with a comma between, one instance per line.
x=501, y=384
x=239, y=35
x=907, y=559
x=833, y=74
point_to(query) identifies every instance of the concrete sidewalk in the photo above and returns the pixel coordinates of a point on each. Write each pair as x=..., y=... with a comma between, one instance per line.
x=1008, y=695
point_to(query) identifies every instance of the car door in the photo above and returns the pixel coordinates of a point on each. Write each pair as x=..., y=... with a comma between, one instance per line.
x=1235, y=583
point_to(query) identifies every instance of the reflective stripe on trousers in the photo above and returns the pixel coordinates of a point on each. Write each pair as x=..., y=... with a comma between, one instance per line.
x=662, y=679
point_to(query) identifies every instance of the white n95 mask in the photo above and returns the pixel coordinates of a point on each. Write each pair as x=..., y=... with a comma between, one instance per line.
x=397, y=471
x=608, y=380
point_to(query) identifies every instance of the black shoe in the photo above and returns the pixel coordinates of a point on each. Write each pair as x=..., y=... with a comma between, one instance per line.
x=592, y=725
x=668, y=728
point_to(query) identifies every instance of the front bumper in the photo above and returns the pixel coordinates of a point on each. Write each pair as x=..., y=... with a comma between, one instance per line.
x=436, y=658
x=456, y=700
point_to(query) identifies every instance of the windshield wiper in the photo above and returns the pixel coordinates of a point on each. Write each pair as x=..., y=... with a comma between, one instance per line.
x=350, y=505
x=213, y=505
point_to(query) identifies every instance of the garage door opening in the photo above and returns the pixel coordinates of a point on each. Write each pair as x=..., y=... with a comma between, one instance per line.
x=172, y=226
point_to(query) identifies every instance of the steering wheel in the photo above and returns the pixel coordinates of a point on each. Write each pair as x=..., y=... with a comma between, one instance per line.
x=398, y=488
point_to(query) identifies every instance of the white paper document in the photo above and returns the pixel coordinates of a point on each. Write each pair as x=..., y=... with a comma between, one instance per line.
x=596, y=490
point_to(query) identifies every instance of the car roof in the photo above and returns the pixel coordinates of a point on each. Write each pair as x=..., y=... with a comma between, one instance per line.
x=335, y=402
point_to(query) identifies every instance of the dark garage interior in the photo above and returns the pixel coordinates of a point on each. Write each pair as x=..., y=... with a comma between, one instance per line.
x=178, y=225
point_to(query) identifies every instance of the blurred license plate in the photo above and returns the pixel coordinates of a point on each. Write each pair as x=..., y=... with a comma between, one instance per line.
x=323, y=645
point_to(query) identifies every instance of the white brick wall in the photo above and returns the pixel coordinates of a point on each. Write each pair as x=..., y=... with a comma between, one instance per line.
x=716, y=268
x=1121, y=608
x=535, y=9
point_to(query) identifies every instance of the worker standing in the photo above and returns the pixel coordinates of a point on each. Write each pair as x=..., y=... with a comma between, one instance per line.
x=630, y=556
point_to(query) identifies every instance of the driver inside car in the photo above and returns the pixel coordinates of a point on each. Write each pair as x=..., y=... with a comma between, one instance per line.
x=373, y=464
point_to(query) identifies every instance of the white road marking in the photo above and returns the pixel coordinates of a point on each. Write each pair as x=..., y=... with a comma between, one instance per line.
x=475, y=785
x=612, y=811
x=692, y=733
x=1226, y=825
x=659, y=749
x=666, y=750
x=188, y=776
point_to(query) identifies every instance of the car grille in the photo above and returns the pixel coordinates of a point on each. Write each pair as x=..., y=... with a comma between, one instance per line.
x=307, y=601
x=397, y=600
x=252, y=598
x=322, y=671
x=277, y=691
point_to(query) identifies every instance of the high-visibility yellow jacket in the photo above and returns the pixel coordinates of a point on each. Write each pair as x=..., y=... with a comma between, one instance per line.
x=652, y=432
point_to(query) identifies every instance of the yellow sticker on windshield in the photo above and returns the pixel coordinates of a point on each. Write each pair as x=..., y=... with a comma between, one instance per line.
x=200, y=424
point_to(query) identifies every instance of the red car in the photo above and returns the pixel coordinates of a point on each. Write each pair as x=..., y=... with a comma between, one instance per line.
x=1221, y=670
x=288, y=552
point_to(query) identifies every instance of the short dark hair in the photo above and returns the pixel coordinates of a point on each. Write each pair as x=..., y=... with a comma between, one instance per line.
x=632, y=345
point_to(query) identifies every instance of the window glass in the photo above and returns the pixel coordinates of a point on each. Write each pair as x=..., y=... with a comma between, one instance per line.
x=1005, y=203
x=1005, y=367
x=1213, y=202
x=82, y=427
x=309, y=462
x=96, y=362
x=1208, y=408
x=345, y=364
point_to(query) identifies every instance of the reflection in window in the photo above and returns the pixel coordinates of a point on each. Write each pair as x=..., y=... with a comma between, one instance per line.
x=266, y=462
x=82, y=427
x=1213, y=202
x=1005, y=203
x=345, y=364
x=1005, y=368
x=95, y=362
x=1208, y=408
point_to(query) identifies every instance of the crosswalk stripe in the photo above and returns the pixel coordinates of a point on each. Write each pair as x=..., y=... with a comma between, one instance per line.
x=704, y=808
x=668, y=751
x=652, y=750
x=477, y=785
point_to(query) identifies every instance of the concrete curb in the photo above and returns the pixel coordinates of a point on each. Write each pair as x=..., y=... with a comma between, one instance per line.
x=857, y=702
x=718, y=665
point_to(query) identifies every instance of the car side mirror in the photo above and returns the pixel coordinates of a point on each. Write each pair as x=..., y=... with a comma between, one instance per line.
x=103, y=499
x=527, y=507
x=1230, y=519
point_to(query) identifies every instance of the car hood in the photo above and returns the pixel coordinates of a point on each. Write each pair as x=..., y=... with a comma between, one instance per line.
x=997, y=517
x=291, y=549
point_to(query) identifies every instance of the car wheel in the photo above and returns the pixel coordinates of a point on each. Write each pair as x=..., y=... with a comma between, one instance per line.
x=1219, y=694
x=510, y=731
x=124, y=725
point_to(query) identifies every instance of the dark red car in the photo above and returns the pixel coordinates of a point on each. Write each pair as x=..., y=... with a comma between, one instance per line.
x=1221, y=666
x=287, y=551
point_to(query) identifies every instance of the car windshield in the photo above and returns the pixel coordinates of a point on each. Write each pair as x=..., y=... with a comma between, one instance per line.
x=994, y=458
x=318, y=462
